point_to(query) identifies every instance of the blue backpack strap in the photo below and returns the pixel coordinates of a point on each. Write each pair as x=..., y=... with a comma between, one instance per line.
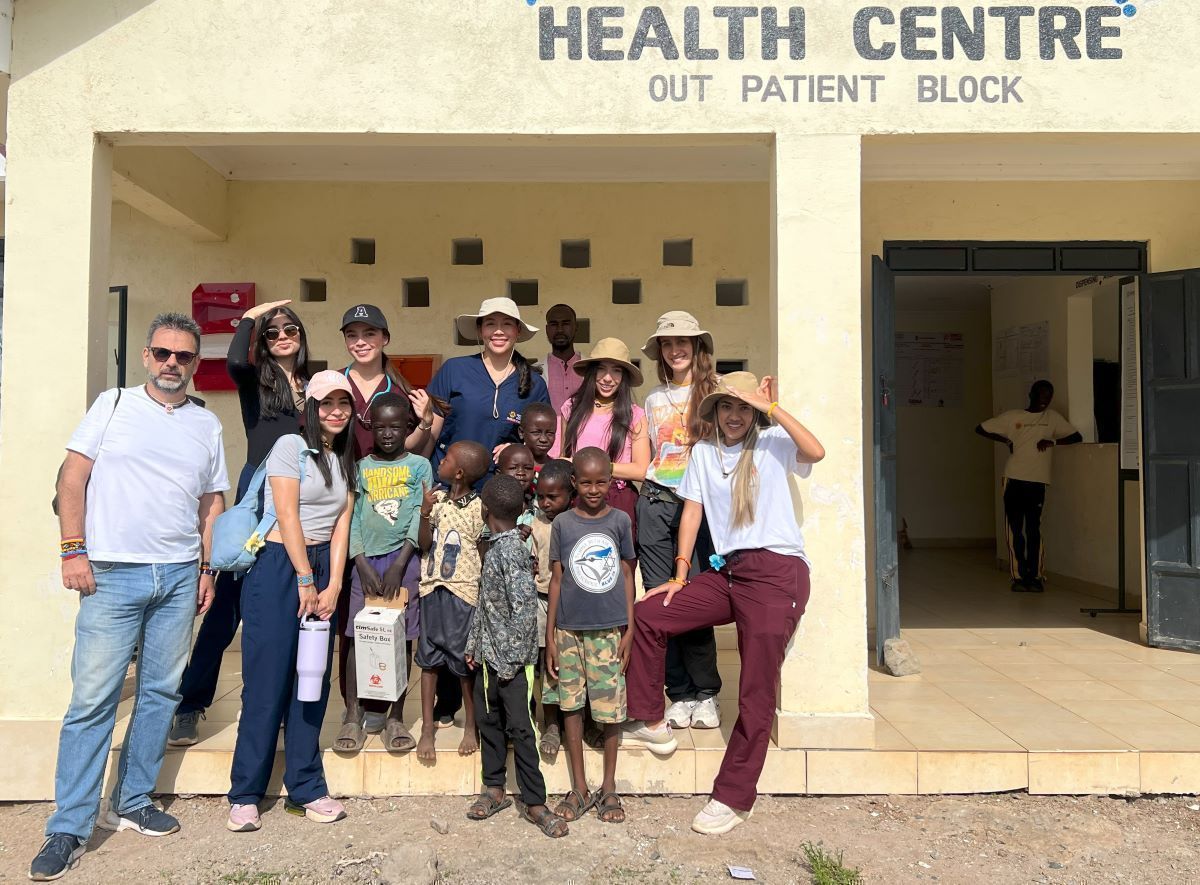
x=269, y=519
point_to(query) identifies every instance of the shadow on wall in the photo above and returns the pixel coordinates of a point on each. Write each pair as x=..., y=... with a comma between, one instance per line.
x=41, y=39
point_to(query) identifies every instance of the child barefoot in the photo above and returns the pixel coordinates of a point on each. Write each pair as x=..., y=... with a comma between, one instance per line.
x=588, y=627
x=554, y=494
x=502, y=645
x=383, y=536
x=451, y=526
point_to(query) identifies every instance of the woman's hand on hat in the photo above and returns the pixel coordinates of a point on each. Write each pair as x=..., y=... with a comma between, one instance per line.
x=259, y=309
x=761, y=399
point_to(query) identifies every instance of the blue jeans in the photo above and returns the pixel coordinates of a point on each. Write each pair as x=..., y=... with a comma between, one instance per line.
x=151, y=606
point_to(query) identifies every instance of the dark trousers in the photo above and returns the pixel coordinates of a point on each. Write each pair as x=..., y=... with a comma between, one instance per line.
x=692, y=673
x=270, y=631
x=1023, y=502
x=502, y=715
x=199, y=683
x=765, y=594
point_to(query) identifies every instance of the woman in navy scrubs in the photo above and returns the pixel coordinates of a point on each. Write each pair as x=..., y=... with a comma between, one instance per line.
x=487, y=391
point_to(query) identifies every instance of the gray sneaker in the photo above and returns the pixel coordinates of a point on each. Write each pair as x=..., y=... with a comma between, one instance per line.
x=59, y=853
x=148, y=820
x=185, y=730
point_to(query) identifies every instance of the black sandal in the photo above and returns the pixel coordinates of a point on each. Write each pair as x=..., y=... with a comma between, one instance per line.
x=485, y=805
x=578, y=806
x=351, y=731
x=599, y=800
x=548, y=822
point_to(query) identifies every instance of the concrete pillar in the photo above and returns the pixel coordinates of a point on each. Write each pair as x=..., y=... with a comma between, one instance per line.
x=816, y=284
x=55, y=350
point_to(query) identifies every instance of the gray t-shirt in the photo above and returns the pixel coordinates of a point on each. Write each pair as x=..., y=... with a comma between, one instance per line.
x=592, y=591
x=320, y=506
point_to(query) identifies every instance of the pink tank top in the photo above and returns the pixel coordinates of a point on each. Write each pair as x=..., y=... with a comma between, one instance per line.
x=595, y=432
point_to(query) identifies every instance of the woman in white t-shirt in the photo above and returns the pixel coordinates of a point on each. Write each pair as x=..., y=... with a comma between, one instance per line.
x=739, y=480
x=298, y=573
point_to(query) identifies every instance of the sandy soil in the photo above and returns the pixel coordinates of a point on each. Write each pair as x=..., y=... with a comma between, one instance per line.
x=1012, y=838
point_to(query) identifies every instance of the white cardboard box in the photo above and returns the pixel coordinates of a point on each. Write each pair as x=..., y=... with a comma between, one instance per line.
x=381, y=663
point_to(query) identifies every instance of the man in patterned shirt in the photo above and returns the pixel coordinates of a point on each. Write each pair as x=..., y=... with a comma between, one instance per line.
x=502, y=645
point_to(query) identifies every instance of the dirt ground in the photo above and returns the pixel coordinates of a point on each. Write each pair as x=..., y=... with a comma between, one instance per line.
x=1011, y=838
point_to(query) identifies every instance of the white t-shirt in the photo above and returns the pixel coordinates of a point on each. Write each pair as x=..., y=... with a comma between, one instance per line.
x=320, y=505
x=666, y=411
x=151, y=467
x=1025, y=429
x=774, y=527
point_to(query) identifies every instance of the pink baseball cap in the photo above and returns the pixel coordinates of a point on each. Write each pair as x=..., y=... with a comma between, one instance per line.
x=326, y=382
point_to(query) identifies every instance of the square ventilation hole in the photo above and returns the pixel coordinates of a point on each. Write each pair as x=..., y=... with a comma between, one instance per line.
x=583, y=330
x=732, y=293
x=312, y=290
x=724, y=367
x=416, y=292
x=523, y=292
x=627, y=292
x=576, y=253
x=362, y=251
x=467, y=251
x=677, y=253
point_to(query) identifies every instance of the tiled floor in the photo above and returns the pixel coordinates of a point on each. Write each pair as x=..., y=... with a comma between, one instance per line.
x=1079, y=702
x=1018, y=691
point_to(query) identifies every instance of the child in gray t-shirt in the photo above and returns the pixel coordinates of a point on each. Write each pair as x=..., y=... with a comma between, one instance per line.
x=587, y=627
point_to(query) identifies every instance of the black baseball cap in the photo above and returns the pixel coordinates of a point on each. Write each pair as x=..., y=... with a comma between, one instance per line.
x=365, y=313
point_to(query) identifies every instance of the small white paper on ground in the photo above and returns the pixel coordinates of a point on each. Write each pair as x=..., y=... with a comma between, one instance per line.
x=740, y=872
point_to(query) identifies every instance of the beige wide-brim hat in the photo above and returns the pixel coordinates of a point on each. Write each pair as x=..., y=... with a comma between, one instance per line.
x=466, y=322
x=739, y=382
x=615, y=351
x=675, y=324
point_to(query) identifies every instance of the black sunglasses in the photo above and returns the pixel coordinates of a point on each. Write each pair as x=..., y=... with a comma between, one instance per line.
x=182, y=357
x=272, y=333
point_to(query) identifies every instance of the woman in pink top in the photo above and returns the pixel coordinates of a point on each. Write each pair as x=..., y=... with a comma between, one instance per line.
x=603, y=414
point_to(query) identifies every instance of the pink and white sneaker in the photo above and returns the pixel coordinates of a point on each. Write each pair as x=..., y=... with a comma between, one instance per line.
x=243, y=819
x=325, y=810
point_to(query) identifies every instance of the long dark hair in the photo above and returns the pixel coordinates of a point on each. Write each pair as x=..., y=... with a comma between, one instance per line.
x=524, y=372
x=275, y=392
x=398, y=380
x=343, y=446
x=704, y=382
x=582, y=405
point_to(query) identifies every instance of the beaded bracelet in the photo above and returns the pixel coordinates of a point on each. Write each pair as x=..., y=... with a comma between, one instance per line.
x=72, y=545
x=679, y=581
x=72, y=554
x=211, y=572
x=774, y=406
x=306, y=580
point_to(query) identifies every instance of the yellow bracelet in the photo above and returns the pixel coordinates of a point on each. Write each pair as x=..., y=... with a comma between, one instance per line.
x=774, y=406
x=678, y=581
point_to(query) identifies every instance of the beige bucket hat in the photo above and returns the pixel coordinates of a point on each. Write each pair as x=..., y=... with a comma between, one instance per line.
x=466, y=322
x=615, y=351
x=738, y=382
x=675, y=324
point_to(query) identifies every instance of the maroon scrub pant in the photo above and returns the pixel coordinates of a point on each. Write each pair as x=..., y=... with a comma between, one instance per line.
x=764, y=593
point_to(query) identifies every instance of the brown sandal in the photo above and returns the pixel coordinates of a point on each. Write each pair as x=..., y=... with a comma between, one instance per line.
x=397, y=738
x=551, y=741
x=485, y=805
x=609, y=814
x=575, y=803
x=548, y=822
x=353, y=734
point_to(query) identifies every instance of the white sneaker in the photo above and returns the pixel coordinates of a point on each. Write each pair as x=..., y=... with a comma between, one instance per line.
x=706, y=714
x=658, y=741
x=679, y=714
x=716, y=818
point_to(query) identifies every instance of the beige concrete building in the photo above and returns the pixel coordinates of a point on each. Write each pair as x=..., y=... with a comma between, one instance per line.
x=1010, y=171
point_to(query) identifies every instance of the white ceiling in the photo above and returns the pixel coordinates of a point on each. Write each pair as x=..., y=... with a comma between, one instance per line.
x=702, y=158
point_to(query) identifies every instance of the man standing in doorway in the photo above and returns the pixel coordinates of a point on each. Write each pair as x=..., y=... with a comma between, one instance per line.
x=1030, y=434
x=138, y=493
x=561, y=378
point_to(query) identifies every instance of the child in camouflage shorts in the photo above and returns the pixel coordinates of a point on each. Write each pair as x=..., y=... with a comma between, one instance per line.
x=588, y=628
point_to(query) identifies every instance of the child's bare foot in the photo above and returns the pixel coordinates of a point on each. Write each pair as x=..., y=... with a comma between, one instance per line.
x=470, y=742
x=425, y=746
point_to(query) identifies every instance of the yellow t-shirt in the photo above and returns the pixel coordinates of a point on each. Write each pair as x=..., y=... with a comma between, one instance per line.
x=453, y=560
x=1025, y=429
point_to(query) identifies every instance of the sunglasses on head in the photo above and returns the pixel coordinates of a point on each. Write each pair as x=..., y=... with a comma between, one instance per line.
x=162, y=354
x=272, y=333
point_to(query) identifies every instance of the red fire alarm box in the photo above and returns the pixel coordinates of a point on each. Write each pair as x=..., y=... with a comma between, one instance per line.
x=217, y=308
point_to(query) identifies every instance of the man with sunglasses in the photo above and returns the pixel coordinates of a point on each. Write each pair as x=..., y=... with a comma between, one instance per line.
x=139, y=490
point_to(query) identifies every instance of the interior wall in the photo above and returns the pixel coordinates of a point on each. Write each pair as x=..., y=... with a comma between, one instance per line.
x=281, y=233
x=943, y=472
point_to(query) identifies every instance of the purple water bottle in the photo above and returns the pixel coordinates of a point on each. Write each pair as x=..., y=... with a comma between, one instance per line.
x=311, y=652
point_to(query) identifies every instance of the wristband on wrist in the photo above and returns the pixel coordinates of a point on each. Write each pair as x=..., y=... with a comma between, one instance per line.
x=680, y=581
x=211, y=572
x=306, y=580
x=774, y=406
x=72, y=555
x=686, y=562
x=72, y=545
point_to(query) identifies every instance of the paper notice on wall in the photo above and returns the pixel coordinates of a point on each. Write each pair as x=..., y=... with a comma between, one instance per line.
x=1129, y=376
x=929, y=369
x=1022, y=352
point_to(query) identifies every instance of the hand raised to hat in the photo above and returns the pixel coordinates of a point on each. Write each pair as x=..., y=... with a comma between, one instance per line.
x=762, y=398
x=260, y=309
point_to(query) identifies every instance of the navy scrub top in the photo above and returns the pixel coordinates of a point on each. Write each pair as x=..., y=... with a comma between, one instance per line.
x=464, y=382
